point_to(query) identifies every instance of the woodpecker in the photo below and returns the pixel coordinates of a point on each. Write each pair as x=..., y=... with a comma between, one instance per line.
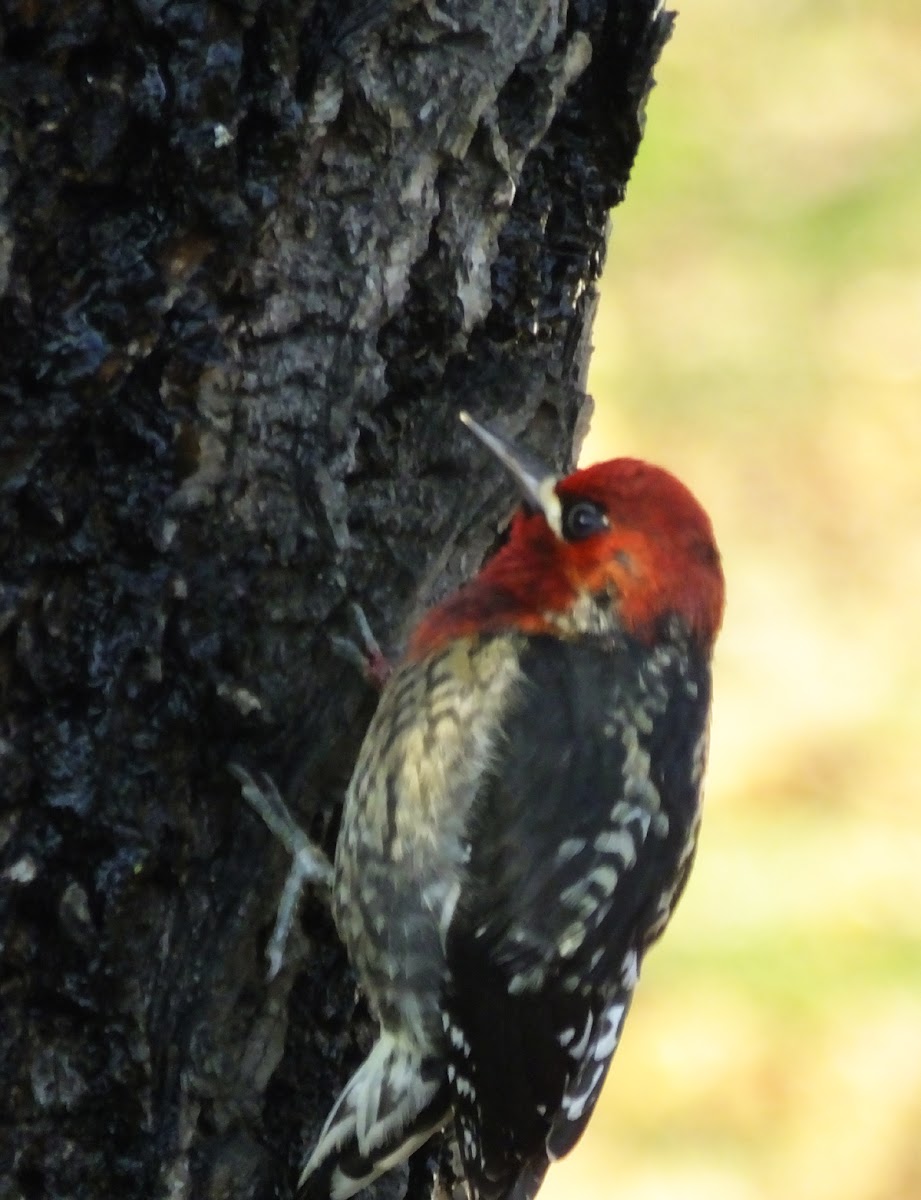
x=521, y=821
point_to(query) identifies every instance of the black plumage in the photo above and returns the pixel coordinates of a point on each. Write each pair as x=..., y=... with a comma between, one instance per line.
x=581, y=837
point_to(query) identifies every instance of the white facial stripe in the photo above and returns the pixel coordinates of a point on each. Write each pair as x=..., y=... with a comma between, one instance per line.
x=550, y=504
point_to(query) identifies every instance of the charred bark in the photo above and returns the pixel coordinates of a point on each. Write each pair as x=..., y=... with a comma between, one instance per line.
x=254, y=256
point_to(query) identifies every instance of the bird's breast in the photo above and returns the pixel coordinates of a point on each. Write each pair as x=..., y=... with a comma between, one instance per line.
x=403, y=843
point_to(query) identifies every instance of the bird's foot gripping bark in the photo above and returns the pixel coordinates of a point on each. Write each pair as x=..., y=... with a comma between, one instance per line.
x=309, y=865
x=368, y=657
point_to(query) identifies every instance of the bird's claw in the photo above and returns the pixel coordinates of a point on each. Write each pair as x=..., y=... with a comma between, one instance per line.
x=309, y=865
x=367, y=655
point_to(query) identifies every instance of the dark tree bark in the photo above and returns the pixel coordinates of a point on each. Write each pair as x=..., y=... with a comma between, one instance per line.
x=254, y=256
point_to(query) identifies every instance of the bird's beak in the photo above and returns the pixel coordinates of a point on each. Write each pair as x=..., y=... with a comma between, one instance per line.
x=536, y=481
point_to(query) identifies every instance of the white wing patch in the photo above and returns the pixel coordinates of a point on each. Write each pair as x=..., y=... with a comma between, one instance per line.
x=629, y=971
x=590, y=1055
x=578, y=1050
x=609, y=1029
x=575, y=1102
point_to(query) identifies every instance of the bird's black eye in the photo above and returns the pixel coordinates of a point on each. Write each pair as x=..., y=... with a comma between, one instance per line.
x=581, y=519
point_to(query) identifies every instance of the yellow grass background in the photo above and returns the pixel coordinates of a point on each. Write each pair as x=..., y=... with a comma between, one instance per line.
x=760, y=334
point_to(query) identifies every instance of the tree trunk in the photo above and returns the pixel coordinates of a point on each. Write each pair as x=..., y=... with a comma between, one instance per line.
x=254, y=256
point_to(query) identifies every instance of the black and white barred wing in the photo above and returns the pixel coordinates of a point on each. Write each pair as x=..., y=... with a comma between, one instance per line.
x=579, y=838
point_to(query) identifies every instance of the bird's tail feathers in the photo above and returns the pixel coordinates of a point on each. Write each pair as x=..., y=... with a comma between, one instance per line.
x=392, y=1104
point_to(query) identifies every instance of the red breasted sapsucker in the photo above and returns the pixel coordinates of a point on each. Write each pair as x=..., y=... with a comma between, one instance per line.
x=520, y=824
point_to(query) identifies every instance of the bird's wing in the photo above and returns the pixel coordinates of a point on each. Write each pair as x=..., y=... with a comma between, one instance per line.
x=580, y=837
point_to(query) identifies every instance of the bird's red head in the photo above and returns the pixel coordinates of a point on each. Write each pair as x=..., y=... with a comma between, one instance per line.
x=622, y=541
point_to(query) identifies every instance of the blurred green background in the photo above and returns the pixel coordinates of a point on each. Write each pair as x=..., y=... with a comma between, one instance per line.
x=760, y=334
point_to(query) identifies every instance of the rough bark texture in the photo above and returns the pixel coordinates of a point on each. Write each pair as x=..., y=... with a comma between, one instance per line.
x=254, y=256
